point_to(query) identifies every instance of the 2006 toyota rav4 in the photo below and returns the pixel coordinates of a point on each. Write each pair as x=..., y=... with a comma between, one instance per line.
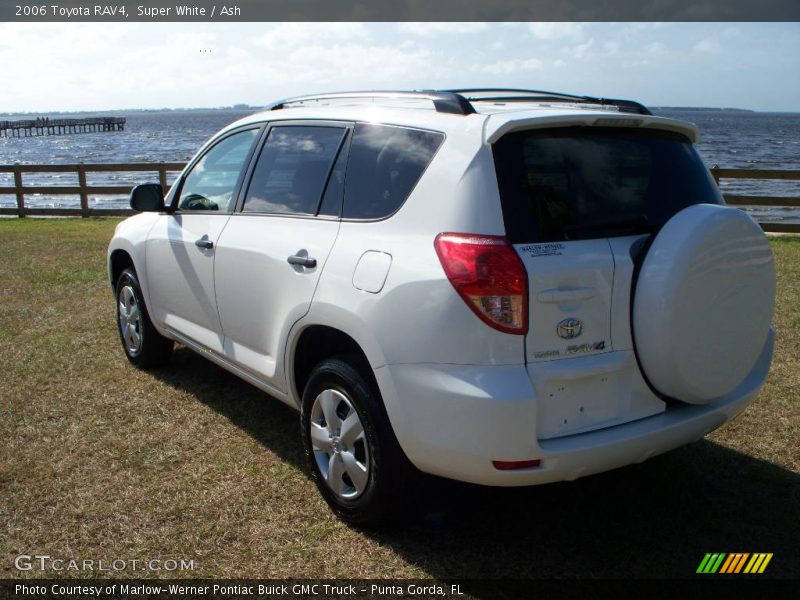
x=506, y=287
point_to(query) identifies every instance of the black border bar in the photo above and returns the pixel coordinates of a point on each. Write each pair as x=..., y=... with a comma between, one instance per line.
x=710, y=586
x=400, y=10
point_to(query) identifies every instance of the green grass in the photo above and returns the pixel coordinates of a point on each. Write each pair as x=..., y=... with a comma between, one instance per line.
x=102, y=461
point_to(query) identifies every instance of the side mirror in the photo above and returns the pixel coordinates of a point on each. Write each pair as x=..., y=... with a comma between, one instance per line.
x=148, y=197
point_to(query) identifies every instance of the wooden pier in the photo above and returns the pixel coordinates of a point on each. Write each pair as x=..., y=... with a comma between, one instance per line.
x=48, y=126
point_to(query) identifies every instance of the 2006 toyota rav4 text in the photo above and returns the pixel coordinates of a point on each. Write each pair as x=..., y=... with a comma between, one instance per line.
x=506, y=287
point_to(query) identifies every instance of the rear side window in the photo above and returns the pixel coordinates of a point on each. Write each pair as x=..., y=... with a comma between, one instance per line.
x=587, y=182
x=292, y=170
x=384, y=166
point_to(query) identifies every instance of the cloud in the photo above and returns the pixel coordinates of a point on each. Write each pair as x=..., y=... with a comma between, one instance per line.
x=353, y=62
x=707, y=47
x=431, y=29
x=582, y=50
x=514, y=65
x=655, y=49
x=290, y=34
x=130, y=65
x=554, y=31
x=98, y=65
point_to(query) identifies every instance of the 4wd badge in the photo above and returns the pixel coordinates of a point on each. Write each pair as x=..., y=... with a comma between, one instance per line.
x=569, y=328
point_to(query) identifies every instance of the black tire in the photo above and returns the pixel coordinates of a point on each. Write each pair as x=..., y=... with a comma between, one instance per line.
x=392, y=481
x=152, y=348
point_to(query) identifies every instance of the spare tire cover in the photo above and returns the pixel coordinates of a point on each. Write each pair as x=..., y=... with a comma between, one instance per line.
x=703, y=303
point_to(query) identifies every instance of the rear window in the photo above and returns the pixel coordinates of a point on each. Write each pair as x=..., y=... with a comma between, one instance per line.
x=587, y=182
x=384, y=166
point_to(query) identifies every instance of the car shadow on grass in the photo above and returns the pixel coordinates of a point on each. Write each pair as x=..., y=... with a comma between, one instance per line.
x=656, y=519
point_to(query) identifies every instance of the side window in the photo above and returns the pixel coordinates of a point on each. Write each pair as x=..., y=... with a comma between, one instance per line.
x=211, y=182
x=384, y=166
x=292, y=169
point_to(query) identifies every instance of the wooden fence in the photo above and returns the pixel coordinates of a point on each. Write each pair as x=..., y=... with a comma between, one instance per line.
x=84, y=191
x=738, y=200
x=20, y=190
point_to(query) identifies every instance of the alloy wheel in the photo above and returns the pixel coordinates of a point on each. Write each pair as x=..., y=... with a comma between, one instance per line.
x=130, y=319
x=340, y=444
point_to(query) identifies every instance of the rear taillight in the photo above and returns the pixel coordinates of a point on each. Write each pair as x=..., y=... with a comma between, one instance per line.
x=489, y=275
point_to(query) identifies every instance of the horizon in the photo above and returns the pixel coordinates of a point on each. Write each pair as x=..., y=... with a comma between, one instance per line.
x=209, y=65
x=242, y=106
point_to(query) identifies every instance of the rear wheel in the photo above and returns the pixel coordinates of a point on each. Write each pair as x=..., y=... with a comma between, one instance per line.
x=354, y=456
x=143, y=345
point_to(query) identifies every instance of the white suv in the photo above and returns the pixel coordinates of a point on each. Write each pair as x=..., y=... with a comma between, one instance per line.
x=506, y=287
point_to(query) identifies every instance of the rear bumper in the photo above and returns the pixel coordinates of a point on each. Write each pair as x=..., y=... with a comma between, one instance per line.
x=454, y=420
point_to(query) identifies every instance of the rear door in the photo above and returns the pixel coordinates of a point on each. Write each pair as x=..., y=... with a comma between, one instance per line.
x=576, y=200
x=272, y=251
x=570, y=271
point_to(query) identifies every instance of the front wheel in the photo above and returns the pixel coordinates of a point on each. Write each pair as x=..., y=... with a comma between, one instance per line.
x=143, y=345
x=354, y=456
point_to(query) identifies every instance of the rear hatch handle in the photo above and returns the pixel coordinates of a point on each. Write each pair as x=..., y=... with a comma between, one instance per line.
x=557, y=296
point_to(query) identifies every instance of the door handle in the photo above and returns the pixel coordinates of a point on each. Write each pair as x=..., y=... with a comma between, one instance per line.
x=303, y=261
x=205, y=243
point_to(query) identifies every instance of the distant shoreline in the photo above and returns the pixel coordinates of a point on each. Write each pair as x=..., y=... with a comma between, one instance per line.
x=131, y=110
x=704, y=109
x=248, y=107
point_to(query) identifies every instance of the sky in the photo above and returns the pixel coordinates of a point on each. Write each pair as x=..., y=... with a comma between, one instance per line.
x=106, y=66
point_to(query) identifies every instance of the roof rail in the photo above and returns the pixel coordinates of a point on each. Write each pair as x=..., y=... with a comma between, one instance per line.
x=457, y=102
x=523, y=95
x=443, y=101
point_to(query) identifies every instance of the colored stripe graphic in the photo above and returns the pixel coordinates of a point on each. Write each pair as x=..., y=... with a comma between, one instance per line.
x=758, y=563
x=720, y=562
x=711, y=562
x=717, y=564
x=741, y=562
x=727, y=564
x=765, y=563
x=703, y=563
x=737, y=563
x=756, y=558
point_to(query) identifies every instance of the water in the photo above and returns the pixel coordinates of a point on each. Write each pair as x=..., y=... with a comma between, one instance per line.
x=730, y=139
x=169, y=136
x=750, y=140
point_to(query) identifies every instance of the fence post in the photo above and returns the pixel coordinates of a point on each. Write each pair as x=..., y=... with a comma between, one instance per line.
x=20, y=193
x=84, y=192
x=162, y=176
x=715, y=173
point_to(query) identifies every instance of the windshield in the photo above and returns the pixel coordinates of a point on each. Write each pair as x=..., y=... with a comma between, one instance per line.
x=587, y=182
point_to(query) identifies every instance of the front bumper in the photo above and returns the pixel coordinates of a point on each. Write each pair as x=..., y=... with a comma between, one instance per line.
x=454, y=420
